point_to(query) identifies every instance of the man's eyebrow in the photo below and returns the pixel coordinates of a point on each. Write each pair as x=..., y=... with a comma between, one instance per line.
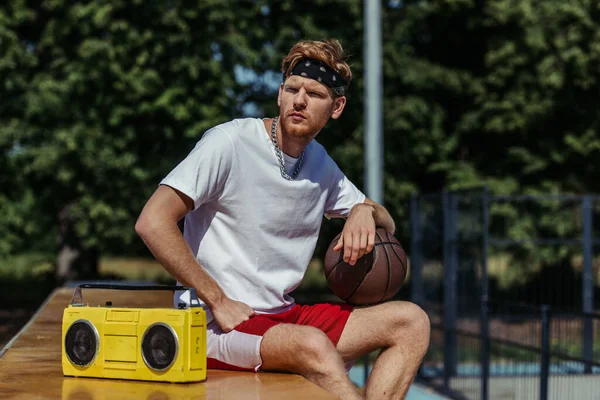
x=309, y=87
x=318, y=89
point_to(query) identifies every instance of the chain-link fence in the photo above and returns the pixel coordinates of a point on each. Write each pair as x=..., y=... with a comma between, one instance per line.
x=509, y=283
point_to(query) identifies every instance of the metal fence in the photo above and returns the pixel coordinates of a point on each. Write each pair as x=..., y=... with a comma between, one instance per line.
x=508, y=282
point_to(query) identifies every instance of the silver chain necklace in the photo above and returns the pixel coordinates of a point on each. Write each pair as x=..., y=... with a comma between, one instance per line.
x=280, y=155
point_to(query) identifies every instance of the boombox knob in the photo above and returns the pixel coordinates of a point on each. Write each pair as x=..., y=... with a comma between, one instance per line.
x=109, y=304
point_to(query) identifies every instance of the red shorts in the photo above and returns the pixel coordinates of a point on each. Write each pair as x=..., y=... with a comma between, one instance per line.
x=240, y=349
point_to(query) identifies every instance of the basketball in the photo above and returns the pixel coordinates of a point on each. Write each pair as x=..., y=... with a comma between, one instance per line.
x=374, y=278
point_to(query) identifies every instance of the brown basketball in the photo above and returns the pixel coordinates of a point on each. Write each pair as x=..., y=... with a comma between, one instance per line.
x=376, y=276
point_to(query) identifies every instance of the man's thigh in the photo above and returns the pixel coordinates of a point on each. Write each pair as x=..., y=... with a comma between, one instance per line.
x=327, y=317
x=313, y=333
x=283, y=344
x=238, y=349
x=374, y=327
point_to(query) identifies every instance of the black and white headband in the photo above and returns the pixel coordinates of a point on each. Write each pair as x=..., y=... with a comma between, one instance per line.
x=315, y=69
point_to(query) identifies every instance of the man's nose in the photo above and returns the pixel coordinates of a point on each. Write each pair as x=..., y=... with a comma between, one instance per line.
x=300, y=99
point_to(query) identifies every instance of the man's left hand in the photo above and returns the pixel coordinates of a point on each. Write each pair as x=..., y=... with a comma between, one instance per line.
x=358, y=236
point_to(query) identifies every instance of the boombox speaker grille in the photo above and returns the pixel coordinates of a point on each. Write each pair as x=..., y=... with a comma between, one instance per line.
x=81, y=343
x=159, y=346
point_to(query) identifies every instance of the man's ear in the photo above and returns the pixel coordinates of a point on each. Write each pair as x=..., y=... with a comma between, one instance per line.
x=338, y=106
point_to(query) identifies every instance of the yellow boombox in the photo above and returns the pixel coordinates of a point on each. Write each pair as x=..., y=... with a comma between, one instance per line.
x=150, y=344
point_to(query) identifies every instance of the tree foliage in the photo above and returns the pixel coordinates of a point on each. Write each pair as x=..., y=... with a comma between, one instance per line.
x=100, y=99
x=105, y=97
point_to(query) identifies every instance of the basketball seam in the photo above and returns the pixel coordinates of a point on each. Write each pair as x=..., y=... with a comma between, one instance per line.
x=387, y=257
x=363, y=277
x=392, y=243
x=400, y=259
x=334, y=266
x=396, y=254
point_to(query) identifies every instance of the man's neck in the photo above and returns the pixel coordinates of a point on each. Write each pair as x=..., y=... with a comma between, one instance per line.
x=290, y=145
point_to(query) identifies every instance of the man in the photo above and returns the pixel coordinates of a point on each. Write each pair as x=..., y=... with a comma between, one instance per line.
x=253, y=194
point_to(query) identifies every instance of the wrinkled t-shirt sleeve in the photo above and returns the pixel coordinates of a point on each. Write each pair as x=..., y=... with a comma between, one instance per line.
x=343, y=195
x=203, y=173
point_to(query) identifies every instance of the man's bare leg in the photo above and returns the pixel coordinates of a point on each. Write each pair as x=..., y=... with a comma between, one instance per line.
x=309, y=352
x=401, y=329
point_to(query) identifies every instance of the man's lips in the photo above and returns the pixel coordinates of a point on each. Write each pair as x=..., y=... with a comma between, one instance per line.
x=297, y=116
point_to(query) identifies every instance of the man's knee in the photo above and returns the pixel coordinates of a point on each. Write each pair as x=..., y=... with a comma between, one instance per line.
x=315, y=347
x=298, y=349
x=420, y=320
x=408, y=324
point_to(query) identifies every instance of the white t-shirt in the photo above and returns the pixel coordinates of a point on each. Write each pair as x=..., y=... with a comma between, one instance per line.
x=252, y=230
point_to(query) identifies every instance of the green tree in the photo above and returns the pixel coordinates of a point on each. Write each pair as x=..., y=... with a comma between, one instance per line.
x=105, y=97
x=17, y=204
x=497, y=92
x=501, y=93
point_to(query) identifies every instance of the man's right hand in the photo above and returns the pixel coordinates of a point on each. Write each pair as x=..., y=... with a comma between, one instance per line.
x=230, y=313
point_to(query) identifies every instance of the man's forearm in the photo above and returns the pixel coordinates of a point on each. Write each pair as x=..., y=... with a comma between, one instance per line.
x=168, y=246
x=381, y=216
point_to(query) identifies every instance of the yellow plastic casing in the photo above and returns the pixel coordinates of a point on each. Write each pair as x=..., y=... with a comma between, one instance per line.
x=113, y=389
x=119, y=351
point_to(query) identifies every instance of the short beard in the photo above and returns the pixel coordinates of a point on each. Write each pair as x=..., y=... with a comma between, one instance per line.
x=296, y=132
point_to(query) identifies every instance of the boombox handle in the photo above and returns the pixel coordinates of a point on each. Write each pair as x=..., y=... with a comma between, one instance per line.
x=77, y=299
